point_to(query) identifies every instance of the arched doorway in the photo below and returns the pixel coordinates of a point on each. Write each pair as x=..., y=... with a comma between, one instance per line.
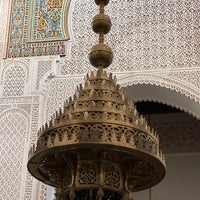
x=173, y=115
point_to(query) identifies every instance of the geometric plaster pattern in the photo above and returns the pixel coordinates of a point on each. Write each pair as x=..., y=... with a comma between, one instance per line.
x=43, y=67
x=157, y=89
x=41, y=191
x=160, y=80
x=34, y=125
x=154, y=34
x=19, y=117
x=24, y=62
x=60, y=89
x=150, y=35
x=11, y=109
x=14, y=76
x=155, y=41
x=192, y=77
x=82, y=38
x=14, y=81
x=13, y=133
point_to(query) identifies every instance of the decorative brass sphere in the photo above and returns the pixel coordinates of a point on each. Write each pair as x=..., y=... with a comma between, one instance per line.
x=101, y=55
x=101, y=23
x=104, y=2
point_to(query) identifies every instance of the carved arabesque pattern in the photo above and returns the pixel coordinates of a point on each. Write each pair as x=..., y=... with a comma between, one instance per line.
x=33, y=102
x=26, y=37
x=83, y=38
x=41, y=191
x=192, y=77
x=25, y=62
x=13, y=130
x=29, y=187
x=149, y=35
x=60, y=89
x=27, y=105
x=160, y=80
x=43, y=68
x=14, y=81
x=154, y=34
x=3, y=108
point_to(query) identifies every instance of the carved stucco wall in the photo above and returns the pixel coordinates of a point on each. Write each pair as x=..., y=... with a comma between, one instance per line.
x=4, y=11
x=155, y=43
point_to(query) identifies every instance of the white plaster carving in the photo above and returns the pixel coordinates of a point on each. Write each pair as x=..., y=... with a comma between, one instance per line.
x=145, y=35
x=43, y=68
x=13, y=128
x=60, y=89
x=192, y=77
x=161, y=80
x=14, y=78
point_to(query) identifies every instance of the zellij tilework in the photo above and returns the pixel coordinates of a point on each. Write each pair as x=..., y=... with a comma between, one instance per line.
x=37, y=28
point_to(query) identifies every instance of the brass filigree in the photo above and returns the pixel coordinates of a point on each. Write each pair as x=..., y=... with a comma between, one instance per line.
x=98, y=146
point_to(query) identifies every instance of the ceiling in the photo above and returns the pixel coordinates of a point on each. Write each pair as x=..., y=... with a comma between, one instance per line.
x=179, y=131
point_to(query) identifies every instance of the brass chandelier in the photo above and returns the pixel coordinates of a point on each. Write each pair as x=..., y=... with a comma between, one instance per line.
x=98, y=147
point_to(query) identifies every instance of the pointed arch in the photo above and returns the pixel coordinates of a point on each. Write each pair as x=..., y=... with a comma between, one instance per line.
x=159, y=88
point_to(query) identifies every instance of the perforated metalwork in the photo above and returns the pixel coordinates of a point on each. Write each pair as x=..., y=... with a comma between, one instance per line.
x=87, y=174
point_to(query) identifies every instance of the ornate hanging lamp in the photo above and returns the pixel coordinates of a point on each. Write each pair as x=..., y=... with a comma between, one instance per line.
x=98, y=147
